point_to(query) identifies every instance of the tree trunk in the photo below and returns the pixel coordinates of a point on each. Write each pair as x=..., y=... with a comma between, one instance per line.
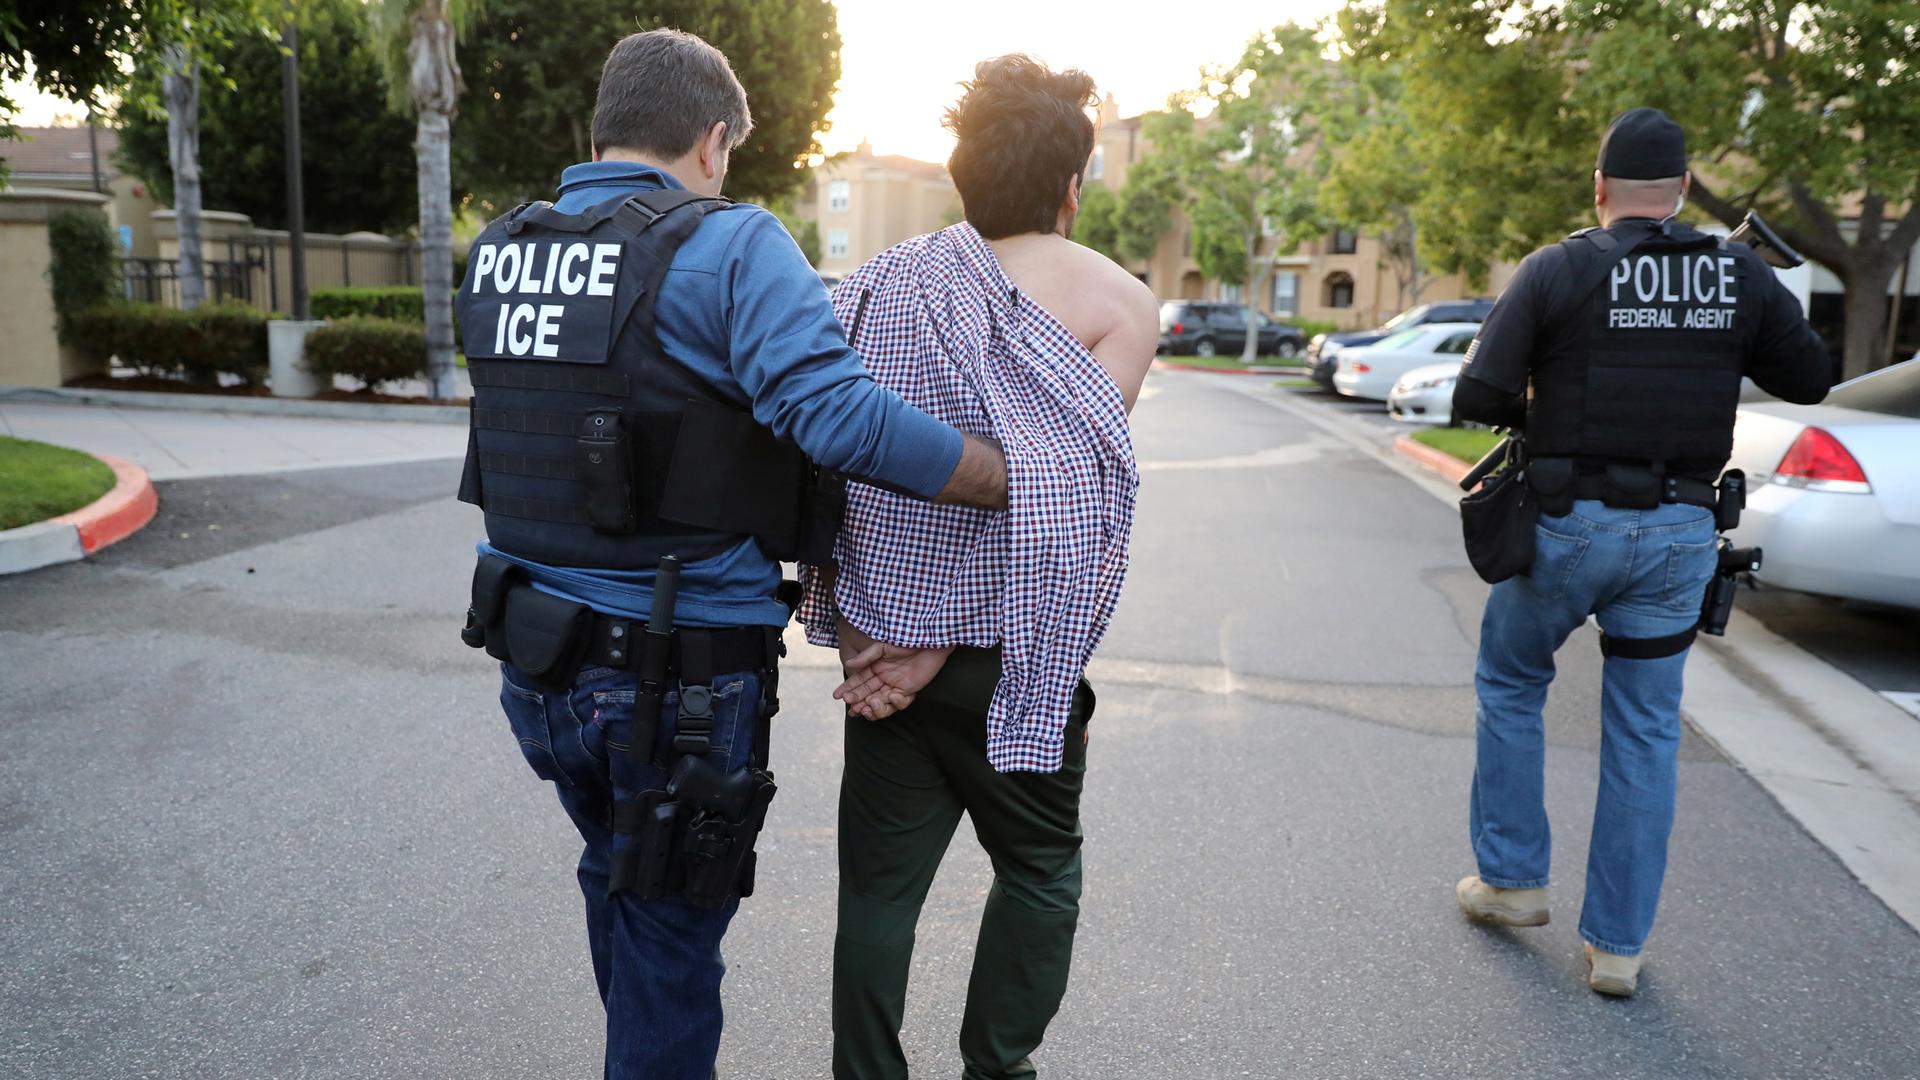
x=436, y=248
x=1250, y=352
x=182, y=89
x=435, y=83
x=1865, y=347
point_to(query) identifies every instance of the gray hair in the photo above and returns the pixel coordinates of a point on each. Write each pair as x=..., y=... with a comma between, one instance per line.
x=662, y=90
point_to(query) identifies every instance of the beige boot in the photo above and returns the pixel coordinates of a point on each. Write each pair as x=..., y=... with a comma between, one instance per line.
x=1503, y=907
x=1614, y=976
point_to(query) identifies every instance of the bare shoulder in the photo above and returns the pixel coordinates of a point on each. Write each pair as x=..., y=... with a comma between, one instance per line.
x=1129, y=316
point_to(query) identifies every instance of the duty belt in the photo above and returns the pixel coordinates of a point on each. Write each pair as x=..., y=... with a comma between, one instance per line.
x=694, y=655
x=1674, y=489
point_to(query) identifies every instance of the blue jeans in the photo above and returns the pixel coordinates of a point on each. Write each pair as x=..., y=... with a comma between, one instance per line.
x=657, y=962
x=1645, y=574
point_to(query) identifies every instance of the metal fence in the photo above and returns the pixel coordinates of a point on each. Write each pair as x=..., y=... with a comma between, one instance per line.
x=257, y=268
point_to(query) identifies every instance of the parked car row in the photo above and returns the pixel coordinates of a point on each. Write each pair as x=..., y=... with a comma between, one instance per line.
x=1207, y=328
x=1323, y=352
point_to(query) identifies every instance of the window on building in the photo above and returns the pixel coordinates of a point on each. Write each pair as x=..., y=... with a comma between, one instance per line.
x=1345, y=241
x=1232, y=294
x=1097, y=168
x=1337, y=291
x=839, y=194
x=837, y=244
x=1286, y=293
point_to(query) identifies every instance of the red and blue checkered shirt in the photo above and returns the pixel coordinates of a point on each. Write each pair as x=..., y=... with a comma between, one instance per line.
x=946, y=329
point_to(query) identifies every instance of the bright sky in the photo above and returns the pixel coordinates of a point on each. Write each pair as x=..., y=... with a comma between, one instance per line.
x=899, y=71
x=900, y=62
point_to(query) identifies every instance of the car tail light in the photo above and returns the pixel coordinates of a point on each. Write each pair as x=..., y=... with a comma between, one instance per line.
x=1179, y=328
x=1361, y=367
x=1816, y=461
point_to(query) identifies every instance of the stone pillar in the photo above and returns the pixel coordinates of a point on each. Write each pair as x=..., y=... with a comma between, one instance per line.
x=30, y=350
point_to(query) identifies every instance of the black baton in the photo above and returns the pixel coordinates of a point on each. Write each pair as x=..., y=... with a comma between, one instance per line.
x=654, y=651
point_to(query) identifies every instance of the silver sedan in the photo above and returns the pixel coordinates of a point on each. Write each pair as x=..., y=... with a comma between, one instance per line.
x=1833, y=490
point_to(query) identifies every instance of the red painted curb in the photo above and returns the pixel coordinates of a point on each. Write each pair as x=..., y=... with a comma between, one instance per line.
x=119, y=513
x=1448, y=466
x=1170, y=366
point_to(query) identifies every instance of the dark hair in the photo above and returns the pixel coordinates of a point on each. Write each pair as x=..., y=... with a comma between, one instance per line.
x=1022, y=134
x=661, y=90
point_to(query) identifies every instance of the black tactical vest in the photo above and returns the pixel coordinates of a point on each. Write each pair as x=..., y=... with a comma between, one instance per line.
x=1647, y=367
x=589, y=446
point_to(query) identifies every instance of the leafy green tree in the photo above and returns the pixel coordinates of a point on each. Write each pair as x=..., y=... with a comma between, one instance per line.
x=1098, y=224
x=536, y=67
x=1247, y=185
x=70, y=48
x=358, y=164
x=1373, y=180
x=1146, y=207
x=805, y=231
x=1809, y=112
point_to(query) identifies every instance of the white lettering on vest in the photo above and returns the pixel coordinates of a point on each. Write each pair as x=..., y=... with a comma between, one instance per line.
x=500, y=332
x=1700, y=284
x=544, y=330
x=1622, y=273
x=1646, y=278
x=482, y=265
x=606, y=264
x=505, y=269
x=516, y=344
x=529, y=281
x=570, y=282
x=1726, y=279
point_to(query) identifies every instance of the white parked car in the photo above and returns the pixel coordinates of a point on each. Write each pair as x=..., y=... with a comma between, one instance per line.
x=1425, y=394
x=1833, y=490
x=1371, y=371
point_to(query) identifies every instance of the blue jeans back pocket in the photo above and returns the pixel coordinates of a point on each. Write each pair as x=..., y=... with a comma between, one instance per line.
x=1689, y=568
x=526, y=711
x=1555, y=558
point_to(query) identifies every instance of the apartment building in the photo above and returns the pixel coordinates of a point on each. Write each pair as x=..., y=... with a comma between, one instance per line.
x=1344, y=277
x=864, y=203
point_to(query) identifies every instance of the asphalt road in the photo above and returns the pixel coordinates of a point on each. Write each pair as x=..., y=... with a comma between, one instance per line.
x=260, y=817
x=1876, y=644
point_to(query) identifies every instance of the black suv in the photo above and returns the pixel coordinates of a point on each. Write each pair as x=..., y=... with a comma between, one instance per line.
x=1205, y=328
x=1325, y=361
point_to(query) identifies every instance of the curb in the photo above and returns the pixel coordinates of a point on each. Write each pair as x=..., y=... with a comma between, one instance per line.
x=111, y=518
x=1168, y=365
x=1449, y=467
x=226, y=403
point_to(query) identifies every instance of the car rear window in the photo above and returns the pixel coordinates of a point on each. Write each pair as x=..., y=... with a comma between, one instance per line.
x=1893, y=391
x=1402, y=339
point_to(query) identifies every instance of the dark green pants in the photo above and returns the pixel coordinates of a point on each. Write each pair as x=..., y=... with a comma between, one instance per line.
x=908, y=778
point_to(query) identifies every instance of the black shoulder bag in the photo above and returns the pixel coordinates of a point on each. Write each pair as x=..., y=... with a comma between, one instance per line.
x=1498, y=520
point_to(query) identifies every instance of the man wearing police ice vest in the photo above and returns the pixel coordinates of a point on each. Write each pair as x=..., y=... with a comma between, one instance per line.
x=665, y=408
x=1620, y=352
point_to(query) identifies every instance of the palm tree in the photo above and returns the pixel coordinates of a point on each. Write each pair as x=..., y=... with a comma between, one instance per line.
x=426, y=78
x=181, y=88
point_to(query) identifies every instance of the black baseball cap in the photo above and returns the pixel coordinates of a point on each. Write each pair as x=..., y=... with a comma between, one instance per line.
x=1643, y=144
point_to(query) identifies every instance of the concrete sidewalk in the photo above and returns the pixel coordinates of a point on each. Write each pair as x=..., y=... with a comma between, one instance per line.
x=190, y=444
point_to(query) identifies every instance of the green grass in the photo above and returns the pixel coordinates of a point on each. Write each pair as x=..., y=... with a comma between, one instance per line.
x=1296, y=384
x=1467, y=444
x=38, y=481
x=1231, y=363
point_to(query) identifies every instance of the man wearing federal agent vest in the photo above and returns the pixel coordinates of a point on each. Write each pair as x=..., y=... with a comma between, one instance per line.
x=1619, y=352
x=665, y=409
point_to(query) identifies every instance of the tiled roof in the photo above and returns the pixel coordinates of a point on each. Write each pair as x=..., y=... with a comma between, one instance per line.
x=58, y=152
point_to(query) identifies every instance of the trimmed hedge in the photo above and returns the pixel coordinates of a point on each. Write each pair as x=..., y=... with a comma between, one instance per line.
x=371, y=350
x=85, y=270
x=1311, y=327
x=401, y=303
x=201, y=345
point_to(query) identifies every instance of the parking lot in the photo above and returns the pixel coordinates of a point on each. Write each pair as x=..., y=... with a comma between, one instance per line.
x=1879, y=646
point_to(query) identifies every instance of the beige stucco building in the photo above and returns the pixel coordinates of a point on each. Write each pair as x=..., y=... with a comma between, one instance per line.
x=864, y=203
x=67, y=159
x=1344, y=277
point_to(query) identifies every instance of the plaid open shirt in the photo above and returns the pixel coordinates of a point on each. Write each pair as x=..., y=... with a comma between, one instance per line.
x=946, y=329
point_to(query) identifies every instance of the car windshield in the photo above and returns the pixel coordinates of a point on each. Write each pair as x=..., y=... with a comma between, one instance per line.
x=1409, y=317
x=1402, y=339
x=1893, y=391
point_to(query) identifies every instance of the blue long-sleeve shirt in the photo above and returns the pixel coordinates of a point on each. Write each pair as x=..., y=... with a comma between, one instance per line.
x=741, y=308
